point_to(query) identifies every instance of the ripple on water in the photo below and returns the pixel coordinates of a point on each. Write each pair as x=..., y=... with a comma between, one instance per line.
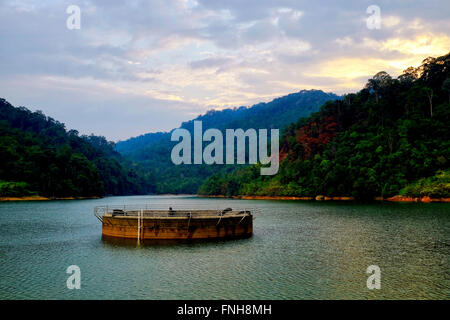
x=300, y=250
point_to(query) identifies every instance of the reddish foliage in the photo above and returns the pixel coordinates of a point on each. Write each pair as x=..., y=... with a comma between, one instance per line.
x=283, y=153
x=314, y=135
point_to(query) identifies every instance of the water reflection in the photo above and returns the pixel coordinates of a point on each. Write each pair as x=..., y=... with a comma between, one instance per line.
x=299, y=250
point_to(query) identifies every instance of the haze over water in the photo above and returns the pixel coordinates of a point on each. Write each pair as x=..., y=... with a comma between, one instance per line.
x=299, y=250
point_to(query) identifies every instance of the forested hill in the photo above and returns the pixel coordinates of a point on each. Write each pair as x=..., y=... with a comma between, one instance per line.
x=152, y=151
x=391, y=137
x=275, y=114
x=39, y=156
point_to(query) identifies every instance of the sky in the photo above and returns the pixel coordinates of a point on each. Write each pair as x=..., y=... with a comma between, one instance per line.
x=144, y=66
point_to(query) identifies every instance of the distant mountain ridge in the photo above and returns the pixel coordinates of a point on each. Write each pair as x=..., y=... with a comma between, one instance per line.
x=274, y=114
x=132, y=144
x=152, y=151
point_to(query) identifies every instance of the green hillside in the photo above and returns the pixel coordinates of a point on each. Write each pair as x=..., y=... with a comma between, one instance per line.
x=389, y=135
x=152, y=151
x=39, y=156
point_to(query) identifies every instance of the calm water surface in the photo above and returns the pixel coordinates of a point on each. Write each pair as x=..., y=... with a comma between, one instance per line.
x=299, y=250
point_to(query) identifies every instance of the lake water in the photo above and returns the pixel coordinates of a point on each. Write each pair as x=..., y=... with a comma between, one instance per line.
x=299, y=250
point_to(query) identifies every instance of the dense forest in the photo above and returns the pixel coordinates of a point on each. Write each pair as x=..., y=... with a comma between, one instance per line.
x=39, y=156
x=391, y=137
x=152, y=151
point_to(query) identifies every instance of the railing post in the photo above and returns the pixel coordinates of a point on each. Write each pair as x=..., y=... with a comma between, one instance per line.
x=139, y=225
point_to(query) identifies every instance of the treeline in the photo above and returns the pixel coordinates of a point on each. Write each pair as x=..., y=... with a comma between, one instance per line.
x=392, y=134
x=39, y=156
x=152, y=151
x=437, y=186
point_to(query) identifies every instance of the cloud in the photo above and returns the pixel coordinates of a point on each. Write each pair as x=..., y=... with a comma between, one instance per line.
x=148, y=65
x=212, y=62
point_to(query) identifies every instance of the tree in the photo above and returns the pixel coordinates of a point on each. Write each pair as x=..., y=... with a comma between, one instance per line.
x=409, y=75
x=429, y=94
x=378, y=82
x=446, y=87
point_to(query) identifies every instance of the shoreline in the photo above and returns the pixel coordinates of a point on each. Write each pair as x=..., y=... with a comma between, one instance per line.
x=39, y=198
x=425, y=199
x=397, y=198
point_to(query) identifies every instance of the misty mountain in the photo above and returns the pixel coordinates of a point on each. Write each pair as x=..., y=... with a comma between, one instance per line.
x=152, y=151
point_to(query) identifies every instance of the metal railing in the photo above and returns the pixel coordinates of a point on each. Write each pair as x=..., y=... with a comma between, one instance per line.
x=168, y=209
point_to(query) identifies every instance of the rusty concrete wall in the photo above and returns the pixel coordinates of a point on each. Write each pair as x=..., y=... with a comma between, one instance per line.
x=201, y=228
